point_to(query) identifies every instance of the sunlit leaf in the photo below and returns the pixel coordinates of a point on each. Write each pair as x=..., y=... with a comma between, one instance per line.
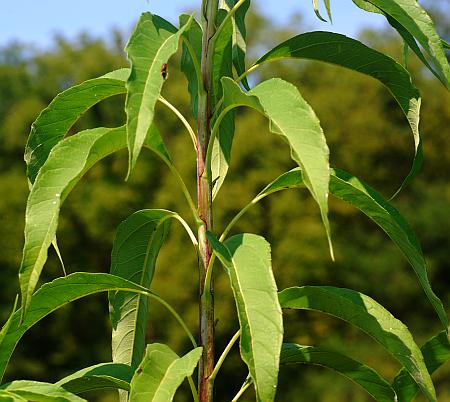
x=136, y=247
x=349, y=53
x=161, y=373
x=55, y=121
x=291, y=117
x=436, y=352
x=411, y=17
x=247, y=260
x=369, y=316
x=359, y=194
x=40, y=392
x=317, y=12
x=362, y=375
x=68, y=161
x=53, y=295
x=152, y=43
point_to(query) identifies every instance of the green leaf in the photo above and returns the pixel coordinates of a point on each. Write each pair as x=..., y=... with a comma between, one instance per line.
x=349, y=53
x=317, y=12
x=53, y=295
x=414, y=19
x=369, y=316
x=40, y=392
x=7, y=396
x=247, y=260
x=359, y=194
x=68, y=161
x=362, y=375
x=239, y=37
x=55, y=121
x=222, y=67
x=161, y=373
x=291, y=117
x=328, y=8
x=193, y=35
x=436, y=352
x=152, y=43
x=136, y=247
x=100, y=376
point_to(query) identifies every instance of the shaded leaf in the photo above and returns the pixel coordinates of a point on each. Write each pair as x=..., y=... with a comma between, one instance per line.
x=436, y=352
x=40, y=392
x=369, y=316
x=362, y=375
x=193, y=35
x=239, y=37
x=247, y=260
x=349, y=53
x=100, y=376
x=68, y=161
x=136, y=247
x=152, y=43
x=53, y=295
x=55, y=120
x=161, y=373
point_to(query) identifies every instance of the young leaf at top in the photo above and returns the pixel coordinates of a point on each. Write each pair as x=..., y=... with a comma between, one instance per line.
x=369, y=316
x=436, y=352
x=247, y=260
x=55, y=120
x=152, y=43
x=349, y=53
x=317, y=12
x=362, y=375
x=100, y=376
x=53, y=295
x=136, y=247
x=291, y=117
x=68, y=161
x=359, y=194
x=40, y=392
x=414, y=19
x=161, y=373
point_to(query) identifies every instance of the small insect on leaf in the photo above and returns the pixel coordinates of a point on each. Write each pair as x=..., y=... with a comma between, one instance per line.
x=165, y=70
x=139, y=370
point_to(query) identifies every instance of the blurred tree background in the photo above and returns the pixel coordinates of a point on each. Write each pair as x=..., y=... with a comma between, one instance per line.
x=368, y=136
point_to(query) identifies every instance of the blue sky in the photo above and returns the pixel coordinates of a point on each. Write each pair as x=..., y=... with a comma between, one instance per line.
x=36, y=21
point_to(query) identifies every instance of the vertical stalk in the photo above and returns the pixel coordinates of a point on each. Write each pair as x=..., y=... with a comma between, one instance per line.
x=204, y=200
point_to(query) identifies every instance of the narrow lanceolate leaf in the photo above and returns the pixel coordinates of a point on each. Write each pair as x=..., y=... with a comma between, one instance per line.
x=328, y=8
x=349, y=53
x=291, y=117
x=161, y=373
x=436, y=352
x=40, y=392
x=359, y=194
x=100, y=376
x=152, y=43
x=53, y=295
x=136, y=247
x=317, y=12
x=239, y=37
x=369, y=316
x=55, y=121
x=190, y=63
x=414, y=19
x=247, y=260
x=362, y=375
x=68, y=161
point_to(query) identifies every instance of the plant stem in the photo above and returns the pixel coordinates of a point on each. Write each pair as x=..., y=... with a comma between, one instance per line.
x=204, y=200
